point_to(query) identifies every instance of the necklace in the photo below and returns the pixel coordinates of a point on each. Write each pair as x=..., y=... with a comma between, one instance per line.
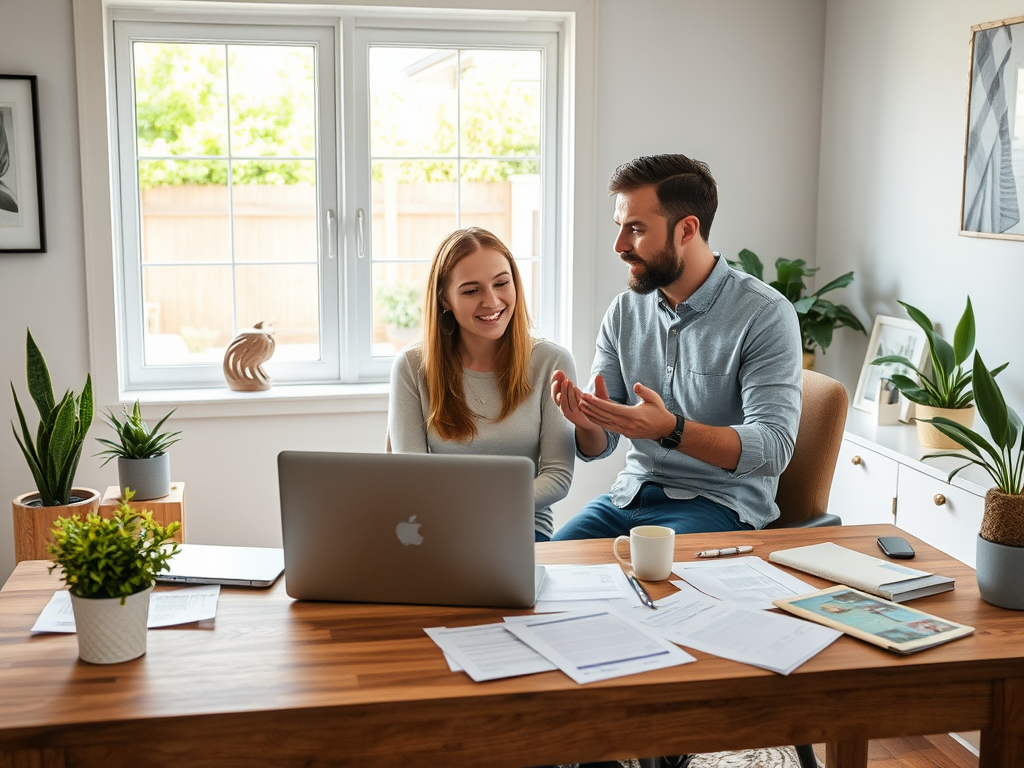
x=472, y=390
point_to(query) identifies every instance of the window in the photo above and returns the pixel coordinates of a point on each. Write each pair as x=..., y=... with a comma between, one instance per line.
x=235, y=150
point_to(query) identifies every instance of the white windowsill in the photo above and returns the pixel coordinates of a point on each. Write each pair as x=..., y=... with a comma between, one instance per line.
x=297, y=399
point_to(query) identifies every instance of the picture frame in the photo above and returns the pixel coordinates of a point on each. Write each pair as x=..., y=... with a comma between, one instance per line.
x=22, y=221
x=992, y=199
x=889, y=336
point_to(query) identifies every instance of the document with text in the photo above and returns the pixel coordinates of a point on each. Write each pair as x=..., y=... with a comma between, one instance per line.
x=488, y=651
x=748, y=581
x=585, y=587
x=166, y=608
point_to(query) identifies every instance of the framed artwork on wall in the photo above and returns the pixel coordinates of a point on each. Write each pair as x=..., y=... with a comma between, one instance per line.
x=993, y=183
x=889, y=336
x=22, y=226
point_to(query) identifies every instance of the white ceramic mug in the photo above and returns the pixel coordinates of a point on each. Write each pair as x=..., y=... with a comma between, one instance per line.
x=651, y=548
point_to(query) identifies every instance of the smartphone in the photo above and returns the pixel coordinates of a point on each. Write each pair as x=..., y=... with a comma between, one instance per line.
x=895, y=547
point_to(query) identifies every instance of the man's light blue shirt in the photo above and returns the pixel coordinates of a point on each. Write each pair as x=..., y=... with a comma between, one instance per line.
x=730, y=355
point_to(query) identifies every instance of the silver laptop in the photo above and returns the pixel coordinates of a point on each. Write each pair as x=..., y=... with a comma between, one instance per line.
x=409, y=528
x=229, y=566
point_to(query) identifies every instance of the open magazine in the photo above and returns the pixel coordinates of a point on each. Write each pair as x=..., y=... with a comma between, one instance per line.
x=874, y=620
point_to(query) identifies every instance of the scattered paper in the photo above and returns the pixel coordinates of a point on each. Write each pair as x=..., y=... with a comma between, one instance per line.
x=584, y=582
x=489, y=651
x=597, y=646
x=166, y=608
x=766, y=640
x=748, y=581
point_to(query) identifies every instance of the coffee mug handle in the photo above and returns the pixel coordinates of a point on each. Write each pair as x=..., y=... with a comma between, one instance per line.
x=615, y=550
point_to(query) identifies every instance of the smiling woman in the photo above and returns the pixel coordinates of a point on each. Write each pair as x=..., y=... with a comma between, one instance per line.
x=478, y=382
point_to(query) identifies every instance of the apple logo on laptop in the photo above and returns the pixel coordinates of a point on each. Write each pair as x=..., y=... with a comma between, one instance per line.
x=409, y=533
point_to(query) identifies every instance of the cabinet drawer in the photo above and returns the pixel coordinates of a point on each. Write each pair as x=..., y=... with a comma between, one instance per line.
x=946, y=517
x=863, y=487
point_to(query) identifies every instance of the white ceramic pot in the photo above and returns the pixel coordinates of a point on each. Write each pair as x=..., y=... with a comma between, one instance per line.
x=929, y=436
x=109, y=632
x=149, y=478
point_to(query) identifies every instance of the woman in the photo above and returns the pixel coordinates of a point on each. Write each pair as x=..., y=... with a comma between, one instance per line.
x=478, y=382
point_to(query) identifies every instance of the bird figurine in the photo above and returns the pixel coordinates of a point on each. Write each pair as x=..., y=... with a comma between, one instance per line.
x=244, y=358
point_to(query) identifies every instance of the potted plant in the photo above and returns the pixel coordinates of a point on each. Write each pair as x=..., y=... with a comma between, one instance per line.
x=401, y=305
x=143, y=462
x=946, y=393
x=818, y=317
x=52, y=455
x=1000, y=563
x=110, y=566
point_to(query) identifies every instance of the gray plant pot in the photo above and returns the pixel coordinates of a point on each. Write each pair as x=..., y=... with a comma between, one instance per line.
x=1001, y=574
x=149, y=478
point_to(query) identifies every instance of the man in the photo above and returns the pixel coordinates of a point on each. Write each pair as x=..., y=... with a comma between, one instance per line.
x=699, y=365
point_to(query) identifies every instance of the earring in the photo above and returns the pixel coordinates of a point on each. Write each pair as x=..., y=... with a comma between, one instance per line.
x=454, y=324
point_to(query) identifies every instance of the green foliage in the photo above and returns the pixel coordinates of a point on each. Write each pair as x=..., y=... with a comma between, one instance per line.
x=53, y=456
x=136, y=439
x=1003, y=457
x=401, y=304
x=818, y=317
x=947, y=386
x=115, y=557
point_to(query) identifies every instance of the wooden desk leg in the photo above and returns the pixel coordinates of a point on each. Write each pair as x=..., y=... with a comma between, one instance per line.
x=1003, y=743
x=847, y=754
x=32, y=758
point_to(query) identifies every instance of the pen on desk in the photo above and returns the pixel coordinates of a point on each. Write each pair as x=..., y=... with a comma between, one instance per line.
x=641, y=591
x=723, y=552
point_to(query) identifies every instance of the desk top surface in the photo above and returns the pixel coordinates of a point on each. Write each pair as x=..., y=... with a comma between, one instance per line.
x=266, y=651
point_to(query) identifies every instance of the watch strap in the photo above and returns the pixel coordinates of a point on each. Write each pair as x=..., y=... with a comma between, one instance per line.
x=673, y=438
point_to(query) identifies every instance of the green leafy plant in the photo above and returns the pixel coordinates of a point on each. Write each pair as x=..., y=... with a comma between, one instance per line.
x=947, y=387
x=53, y=456
x=111, y=557
x=1003, y=457
x=135, y=439
x=818, y=317
x=401, y=304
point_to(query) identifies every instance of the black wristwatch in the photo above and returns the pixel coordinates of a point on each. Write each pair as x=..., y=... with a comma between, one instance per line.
x=671, y=440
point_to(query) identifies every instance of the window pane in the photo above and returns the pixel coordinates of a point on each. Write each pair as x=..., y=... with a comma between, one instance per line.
x=275, y=210
x=184, y=206
x=413, y=101
x=529, y=273
x=188, y=314
x=273, y=97
x=397, y=305
x=413, y=207
x=285, y=297
x=180, y=98
x=504, y=197
x=500, y=102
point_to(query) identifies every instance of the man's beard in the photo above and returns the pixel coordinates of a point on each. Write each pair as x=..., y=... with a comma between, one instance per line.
x=660, y=270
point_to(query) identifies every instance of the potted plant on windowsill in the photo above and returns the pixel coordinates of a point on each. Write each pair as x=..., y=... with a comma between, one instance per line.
x=946, y=393
x=110, y=566
x=1000, y=564
x=401, y=305
x=143, y=462
x=52, y=455
x=818, y=317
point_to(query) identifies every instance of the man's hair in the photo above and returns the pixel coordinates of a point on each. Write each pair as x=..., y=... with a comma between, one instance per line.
x=684, y=187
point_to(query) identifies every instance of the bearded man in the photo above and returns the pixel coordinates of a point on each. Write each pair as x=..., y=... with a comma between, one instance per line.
x=698, y=364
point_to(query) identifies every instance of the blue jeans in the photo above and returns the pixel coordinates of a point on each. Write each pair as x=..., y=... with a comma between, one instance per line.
x=538, y=536
x=601, y=519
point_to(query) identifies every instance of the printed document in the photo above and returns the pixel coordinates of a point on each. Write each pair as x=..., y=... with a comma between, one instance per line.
x=488, y=651
x=761, y=639
x=748, y=581
x=599, y=645
x=166, y=608
x=585, y=587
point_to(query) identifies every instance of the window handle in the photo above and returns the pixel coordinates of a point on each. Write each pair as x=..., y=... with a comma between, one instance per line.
x=360, y=234
x=332, y=232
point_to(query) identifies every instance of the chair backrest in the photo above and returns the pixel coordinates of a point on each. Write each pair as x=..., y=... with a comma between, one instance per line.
x=805, y=484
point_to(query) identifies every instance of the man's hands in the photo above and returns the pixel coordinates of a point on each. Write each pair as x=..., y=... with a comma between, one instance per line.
x=592, y=413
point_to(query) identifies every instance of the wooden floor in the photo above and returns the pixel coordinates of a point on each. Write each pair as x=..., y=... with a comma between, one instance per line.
x=915, y=752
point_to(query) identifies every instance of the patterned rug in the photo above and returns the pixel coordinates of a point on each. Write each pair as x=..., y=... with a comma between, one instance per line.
x=775, y=757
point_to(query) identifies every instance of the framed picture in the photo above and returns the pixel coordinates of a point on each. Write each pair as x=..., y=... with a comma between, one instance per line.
x=22, y=227
x=993, y=191
x=890, y=336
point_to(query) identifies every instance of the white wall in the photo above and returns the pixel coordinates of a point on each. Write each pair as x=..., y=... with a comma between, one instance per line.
x=736, y=83
x=892, y=148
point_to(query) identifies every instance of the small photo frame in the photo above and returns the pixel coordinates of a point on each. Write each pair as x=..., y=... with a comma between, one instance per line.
x=22, y=227
x=889, y=336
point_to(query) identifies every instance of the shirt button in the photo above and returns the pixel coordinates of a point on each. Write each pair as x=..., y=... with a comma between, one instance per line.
x=669, y=369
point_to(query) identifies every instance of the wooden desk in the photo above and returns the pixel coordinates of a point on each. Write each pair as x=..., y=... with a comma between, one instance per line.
x=285, y=683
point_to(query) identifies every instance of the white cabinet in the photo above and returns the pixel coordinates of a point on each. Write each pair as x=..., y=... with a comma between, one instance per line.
x=864, y=486
x=943, y=515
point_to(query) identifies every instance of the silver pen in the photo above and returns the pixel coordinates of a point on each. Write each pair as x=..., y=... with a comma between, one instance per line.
x=723, y=552
x=639, y=588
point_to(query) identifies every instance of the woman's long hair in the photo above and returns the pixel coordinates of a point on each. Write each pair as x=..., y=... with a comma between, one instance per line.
x=450, y=414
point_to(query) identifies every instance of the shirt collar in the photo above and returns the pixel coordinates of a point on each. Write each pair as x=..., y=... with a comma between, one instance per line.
x=704, y=297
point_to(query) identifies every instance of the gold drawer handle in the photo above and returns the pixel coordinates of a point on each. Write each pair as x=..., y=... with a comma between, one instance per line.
x=856, y=460
x=939, y=499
